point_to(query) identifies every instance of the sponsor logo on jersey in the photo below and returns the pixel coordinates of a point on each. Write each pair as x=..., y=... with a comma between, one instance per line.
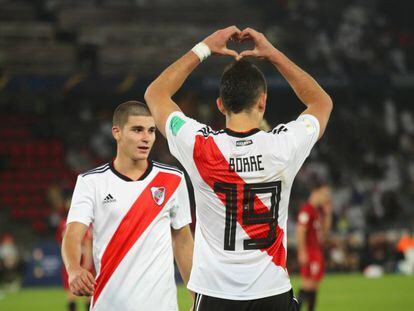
x=158, y=194
x=241, y=143
x=176, y=124
x=109, y=199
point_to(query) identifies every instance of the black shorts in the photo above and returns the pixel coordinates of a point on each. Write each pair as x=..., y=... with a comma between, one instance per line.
x=282, y=302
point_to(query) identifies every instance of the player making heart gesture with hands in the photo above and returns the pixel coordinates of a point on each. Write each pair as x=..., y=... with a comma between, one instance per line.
x=242, y=176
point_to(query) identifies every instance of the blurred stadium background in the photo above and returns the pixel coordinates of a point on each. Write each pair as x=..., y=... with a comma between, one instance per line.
x=65, y=65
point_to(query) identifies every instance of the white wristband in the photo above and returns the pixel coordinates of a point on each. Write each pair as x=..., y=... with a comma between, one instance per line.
x=201, y=50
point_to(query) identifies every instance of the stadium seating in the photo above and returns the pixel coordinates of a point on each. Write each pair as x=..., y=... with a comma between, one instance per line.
x=32, y=166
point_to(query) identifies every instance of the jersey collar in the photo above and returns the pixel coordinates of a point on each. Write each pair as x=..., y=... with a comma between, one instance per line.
x=241, y=134
x=126, y=178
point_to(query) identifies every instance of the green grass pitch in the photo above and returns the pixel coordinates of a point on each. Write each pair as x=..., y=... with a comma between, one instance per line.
x=337, y=293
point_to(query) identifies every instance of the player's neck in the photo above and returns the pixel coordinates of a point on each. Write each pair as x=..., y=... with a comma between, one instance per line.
x=242, y=122
x=130, y=168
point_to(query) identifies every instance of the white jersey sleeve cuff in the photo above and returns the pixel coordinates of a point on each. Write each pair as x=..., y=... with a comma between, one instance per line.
x=311, y=123
x=84, y=221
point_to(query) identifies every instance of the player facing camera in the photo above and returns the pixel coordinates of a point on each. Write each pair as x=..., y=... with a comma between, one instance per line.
x=130, y=203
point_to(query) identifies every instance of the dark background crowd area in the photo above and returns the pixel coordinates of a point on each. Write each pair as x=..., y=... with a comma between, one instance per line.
x=66, y=65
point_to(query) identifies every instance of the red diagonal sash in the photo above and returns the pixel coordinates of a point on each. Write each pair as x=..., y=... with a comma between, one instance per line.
x=213, y=167
x=136, y=221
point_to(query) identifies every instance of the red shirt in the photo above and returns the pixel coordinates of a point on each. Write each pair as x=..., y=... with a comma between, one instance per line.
x=309, y=217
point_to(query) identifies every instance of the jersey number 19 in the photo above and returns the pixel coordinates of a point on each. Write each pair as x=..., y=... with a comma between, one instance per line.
x=249, y=216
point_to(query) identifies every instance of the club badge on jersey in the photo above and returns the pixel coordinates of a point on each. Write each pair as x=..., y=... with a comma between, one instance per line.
x=158, y=194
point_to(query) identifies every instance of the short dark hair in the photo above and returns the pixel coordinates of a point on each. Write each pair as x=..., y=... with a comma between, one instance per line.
x=241, y=85
x=129, y=108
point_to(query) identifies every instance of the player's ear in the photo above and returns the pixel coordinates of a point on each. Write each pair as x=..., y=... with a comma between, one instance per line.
x=262, y=102
x=116, y=132
x=220, y=106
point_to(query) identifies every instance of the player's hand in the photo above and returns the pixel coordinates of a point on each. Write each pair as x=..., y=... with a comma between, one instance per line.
x=303, y=258
x=81, y=281
x=217, y=42
x=262, y=47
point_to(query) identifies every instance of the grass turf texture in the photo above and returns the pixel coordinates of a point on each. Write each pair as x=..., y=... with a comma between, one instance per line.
x=338, y=293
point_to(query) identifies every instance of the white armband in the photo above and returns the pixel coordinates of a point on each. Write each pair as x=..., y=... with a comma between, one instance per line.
x=201, y=50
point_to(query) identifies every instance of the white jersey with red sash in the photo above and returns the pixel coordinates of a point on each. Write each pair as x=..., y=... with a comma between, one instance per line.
x=242, y=185
x=132, y=221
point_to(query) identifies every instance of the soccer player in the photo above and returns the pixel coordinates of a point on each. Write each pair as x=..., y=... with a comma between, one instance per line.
x=242, y=176
x=86, y=262
x=140, y=214
x=314, y=223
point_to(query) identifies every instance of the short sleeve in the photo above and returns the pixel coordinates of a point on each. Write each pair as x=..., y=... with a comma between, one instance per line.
x=82, y=204
x=303, y=218
x=181, y=131
x=297, y=138
x=180, y=212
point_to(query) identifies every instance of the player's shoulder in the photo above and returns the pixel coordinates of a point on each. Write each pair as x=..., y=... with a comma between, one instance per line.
x=167, y=168
x=97, y=171
x=207, y=131
x=178, y=122
x=307, y=121
x=305, y=214
x=306, y=208
x=279, y=129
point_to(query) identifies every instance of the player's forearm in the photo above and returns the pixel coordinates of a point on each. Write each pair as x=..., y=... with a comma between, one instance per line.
x=304, y=86
x=71, y=251
x=172, y=78
x=184, y=258
x=183, y=246
x=87, y=254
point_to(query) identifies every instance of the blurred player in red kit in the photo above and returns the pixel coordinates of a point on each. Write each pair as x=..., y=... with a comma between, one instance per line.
x=314, y=223
x=87, y=263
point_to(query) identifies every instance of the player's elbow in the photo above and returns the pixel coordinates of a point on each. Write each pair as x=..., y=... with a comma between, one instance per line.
x=182, y=238
x=150, y=94
x=329, y=103
x=72, y=235
x=326, y=103
x=154, y=92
